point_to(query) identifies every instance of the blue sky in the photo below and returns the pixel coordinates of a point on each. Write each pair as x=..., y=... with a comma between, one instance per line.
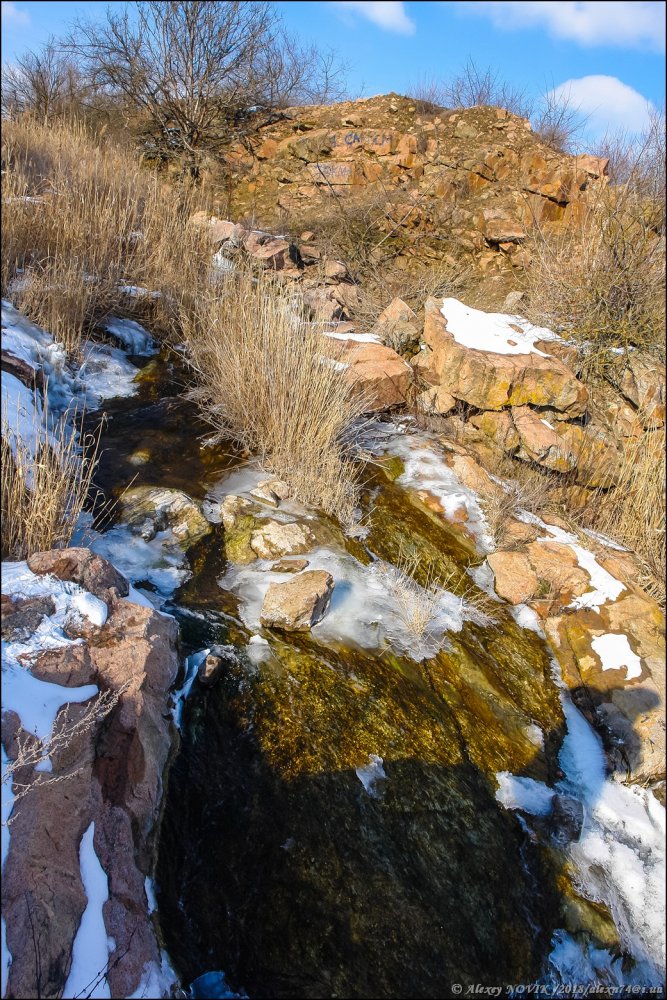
x=610, y=56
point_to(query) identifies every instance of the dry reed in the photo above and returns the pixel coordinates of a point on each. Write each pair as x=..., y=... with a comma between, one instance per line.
x=46, y=481
x=264, y=381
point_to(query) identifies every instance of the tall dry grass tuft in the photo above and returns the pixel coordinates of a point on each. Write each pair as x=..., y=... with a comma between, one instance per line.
x=263, y=381
x=83, y=220
x=46, y=481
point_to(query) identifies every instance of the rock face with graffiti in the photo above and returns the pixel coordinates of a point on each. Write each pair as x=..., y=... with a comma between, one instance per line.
x=480, y=174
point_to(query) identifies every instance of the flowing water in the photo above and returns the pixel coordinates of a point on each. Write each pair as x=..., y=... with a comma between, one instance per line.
x=331, y=824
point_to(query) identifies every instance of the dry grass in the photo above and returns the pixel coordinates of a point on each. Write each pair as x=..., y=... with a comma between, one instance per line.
x=262, y=381
x=418, y=604
x=633, y=511
x=602, y=279
x=378, y=232
x=46, y=481
x=82, y=219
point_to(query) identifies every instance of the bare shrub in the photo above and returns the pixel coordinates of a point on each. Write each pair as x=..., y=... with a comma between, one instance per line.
x=46, y=481
x=262, y=380
x=602, y=279
x=477, y=87
x=47, y=84
x=196, y=69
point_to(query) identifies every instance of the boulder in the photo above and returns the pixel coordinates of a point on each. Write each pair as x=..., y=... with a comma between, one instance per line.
x=271, y=491
x=490, y=380
x=515, y=579
x=379, y=376
x=298, y=604
x=233, y=508
x=80, y=565
x=269, y=250
x=397, y=326
x=643, y=383
x=566, y=819
x=435, y=400
x=214, y=663
x=150, y=509
x=540, y=441
x=275, y=539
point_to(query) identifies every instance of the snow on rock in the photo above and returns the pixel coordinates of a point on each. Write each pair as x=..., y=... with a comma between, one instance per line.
x=605, y=587
x=498, y=333
x=90, y=950
x=615, y=652
x=426, y=470
x=160, y=561
x=92, y=607
x=132, y=336
x=371, y=774
x=619, y=857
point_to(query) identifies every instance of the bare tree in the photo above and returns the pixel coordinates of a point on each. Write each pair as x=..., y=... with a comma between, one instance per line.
x=194, y=69
x=46, y=83
x=557, y=121
x=481, y=87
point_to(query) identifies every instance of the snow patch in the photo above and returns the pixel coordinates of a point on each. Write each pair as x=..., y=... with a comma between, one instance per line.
x=498, y=333
x=90, y=950
x=615, y=652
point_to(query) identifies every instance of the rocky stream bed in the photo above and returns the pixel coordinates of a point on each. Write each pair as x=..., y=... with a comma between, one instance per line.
x=355, y=809
x=332, y=823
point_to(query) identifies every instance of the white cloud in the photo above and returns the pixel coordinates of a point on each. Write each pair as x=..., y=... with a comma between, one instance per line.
x=608, y=104
x=12, y=15
x=627, y=23
x=388, y=16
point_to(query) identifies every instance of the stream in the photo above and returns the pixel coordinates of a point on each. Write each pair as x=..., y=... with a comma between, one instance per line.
x=332, y=823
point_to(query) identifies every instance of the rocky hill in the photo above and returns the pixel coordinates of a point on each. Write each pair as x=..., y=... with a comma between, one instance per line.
x=474, y=180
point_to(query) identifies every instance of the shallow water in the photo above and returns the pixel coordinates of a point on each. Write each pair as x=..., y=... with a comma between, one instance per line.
x=331, y=824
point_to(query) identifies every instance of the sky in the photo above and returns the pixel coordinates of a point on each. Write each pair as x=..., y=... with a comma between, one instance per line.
x=607, y=57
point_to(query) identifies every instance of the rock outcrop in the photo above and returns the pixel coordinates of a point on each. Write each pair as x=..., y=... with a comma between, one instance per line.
x=481, y=172
x=108, y=778
x=487, y=378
